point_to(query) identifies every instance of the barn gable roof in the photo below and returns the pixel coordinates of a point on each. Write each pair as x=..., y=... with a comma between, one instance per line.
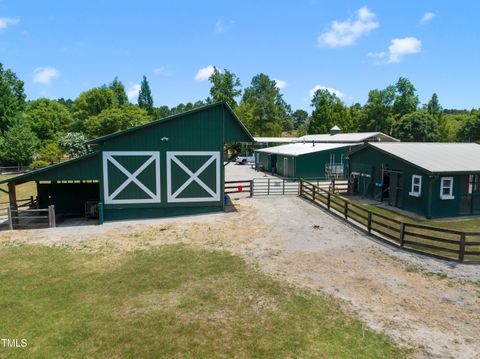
x=432, y=157
x=298, y=149
x=235, y=130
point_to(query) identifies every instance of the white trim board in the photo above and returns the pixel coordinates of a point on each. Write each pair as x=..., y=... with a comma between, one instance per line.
x=172, y=157
x=108, y=156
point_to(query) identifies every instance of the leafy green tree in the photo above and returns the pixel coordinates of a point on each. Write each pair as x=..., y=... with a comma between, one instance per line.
x=378, y=111
x=433, y=107
x=12, y=97
x=73, y=144
x=226, y=87
x=145, y=99
x=418, y=126
x=300, y=117
x=50, y=152
x=328, y=111
x=356, y=116
x=267, y=114
x=161, y=112
x=92, y=102
x=120, y=95
x=469, y=129
x=19, y=143
x=115, y=119
x=48, y=119
x=406, y=100
x=68, y=103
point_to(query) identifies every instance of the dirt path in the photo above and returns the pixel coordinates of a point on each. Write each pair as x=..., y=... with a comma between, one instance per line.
x=293, y=240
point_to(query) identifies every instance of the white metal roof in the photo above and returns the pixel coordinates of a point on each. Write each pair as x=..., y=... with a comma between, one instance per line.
x=348, y=137
x=275, y=139
x=436, y=157
x=300, y=148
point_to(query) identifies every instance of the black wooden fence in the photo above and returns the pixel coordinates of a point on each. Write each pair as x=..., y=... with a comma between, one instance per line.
x=434, y=241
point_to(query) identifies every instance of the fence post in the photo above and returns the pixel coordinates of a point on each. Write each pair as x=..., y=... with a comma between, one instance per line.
x=461, y=252
x=51, y=216
x=328, y=200
x=333, y=185
x=251, y=188
x=402, y=234
x=10, y=221
x=300, y=185
x=369, y=224
x=268, y=187
x=345, y=210
x=283, y=191
x=314, y=193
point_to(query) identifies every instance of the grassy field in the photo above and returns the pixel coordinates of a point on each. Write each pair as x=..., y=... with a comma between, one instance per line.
x=175, y=301
x=24, y=191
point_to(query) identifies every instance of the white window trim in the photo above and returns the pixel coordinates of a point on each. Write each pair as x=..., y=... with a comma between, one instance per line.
x=446, y=196
x=419, y=192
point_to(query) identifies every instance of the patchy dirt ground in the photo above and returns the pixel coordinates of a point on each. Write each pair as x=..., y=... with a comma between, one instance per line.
x=392, y=291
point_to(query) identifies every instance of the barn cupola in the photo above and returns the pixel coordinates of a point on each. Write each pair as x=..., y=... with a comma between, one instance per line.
x=335, y=130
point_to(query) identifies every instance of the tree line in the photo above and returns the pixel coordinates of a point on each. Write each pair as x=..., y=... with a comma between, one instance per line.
x=45, y=131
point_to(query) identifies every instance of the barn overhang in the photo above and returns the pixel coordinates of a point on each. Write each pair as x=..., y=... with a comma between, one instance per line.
x=82, y=168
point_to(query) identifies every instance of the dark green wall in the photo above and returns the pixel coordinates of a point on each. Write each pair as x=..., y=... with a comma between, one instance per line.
x=199, y=131
x=68, y=198
x=364, y=161
x=264, y=161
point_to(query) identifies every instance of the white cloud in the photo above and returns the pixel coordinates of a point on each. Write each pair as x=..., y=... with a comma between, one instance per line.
x=7, y=21
x=222, y=26
x=428, y=16
x=329, y=89
x=280, y=83
x=132, y=93
x=398, y=49
x=345, y=33
x=204, y=73
x=162, y=71
x=44, y=75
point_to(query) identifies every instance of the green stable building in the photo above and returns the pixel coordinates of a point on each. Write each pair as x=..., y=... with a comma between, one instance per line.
x=433, y=180
x=304, y=160
x=172, y=166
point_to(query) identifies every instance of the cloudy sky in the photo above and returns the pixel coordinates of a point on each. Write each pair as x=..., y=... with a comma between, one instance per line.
x=349, y=47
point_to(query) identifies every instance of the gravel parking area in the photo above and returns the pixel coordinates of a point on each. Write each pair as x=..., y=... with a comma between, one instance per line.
x=427, y=304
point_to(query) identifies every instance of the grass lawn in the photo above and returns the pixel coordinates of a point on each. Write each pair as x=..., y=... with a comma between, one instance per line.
x=24, y=191
x=175, y=301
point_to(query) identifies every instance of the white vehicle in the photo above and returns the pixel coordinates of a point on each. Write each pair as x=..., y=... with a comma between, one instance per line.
x=243, y=160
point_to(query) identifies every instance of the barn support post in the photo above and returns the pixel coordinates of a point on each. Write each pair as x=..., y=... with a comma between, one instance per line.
x=10, y=220
x=12, y=198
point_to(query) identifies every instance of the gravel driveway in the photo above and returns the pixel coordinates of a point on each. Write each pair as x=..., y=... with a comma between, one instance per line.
x=390, y=290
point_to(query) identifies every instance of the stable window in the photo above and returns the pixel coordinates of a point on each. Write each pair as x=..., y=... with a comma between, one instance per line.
x=416, y=188
x=446, y=188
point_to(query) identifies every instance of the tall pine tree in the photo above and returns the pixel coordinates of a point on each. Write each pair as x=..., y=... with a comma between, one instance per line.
x=145, y=99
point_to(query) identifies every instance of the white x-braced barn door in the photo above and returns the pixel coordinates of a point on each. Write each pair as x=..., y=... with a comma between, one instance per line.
x=131, y=177
x=193, y=176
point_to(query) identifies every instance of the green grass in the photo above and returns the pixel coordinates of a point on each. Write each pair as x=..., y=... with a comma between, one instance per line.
x=24, y=191
x=175, y=301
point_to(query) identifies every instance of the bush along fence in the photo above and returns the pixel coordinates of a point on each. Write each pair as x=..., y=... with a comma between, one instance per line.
x=434, y=241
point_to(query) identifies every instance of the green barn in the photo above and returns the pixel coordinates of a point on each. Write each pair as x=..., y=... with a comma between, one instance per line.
x=433, y=180
x=172, y=166
x=304, y=160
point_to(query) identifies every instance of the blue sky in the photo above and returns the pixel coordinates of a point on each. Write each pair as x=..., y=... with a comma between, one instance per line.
x=61, y=48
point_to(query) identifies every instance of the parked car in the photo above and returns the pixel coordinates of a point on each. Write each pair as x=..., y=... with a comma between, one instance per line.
x=243, y=160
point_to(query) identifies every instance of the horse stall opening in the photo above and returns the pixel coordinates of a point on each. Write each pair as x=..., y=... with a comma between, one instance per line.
x=71, y=198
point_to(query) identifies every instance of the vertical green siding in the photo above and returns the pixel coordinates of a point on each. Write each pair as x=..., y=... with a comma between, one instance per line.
x=366, y=159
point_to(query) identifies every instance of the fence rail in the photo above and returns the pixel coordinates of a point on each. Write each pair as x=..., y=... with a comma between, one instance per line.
x=434, y=241
x=269, y=186
x=31, y=218
x=238, y=186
